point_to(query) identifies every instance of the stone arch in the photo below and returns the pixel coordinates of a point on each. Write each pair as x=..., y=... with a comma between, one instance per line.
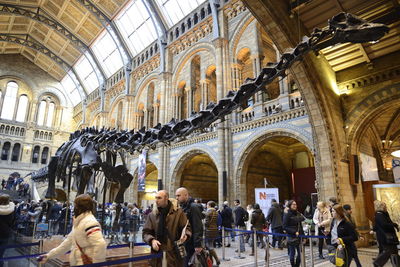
x=367, y=114
x=188, y=57
x=238, y=32
x=254, y=141
x=183, y=158
x=143, y=86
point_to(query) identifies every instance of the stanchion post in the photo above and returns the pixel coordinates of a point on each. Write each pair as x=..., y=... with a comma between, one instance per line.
x=267, y=252
x=303, y=254
x=255, y=246
x=164, y=259
x=40, y=250
x=131, y=246
x=311, y=248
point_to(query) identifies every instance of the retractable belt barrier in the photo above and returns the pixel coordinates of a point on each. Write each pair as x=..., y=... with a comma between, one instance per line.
x=37, y=255
x=126, y=260
x=274, y=234
x=20, y=245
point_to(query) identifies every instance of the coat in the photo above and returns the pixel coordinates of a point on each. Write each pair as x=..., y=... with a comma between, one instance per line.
x=195, y=216
x=175, y=222
x=324, y=218
x=348, y=234
x=292, y=222
x=240, y=214
x=257, y=220
x=227, y=217
x=86, y=232
x=7, y=218
x=211, y=223
x=274, y=216
x=383, y=225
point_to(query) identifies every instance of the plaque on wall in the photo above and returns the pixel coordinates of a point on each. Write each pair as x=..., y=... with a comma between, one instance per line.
x=369, y=168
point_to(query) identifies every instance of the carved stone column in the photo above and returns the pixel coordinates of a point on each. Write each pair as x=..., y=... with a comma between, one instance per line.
x=189, y=108
x=205, y=90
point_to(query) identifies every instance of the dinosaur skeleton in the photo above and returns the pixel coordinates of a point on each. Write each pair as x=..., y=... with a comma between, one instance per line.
x=84, y=148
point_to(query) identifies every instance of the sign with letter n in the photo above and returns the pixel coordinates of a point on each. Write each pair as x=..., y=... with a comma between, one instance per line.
x=264, y=197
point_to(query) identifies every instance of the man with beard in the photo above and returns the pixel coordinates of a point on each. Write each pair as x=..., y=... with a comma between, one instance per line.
x=164, y=226
x=195, y=216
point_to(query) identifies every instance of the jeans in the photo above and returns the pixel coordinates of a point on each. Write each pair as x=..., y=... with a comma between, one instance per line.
x=277, y=230
x=241, y=237
x=292, y=255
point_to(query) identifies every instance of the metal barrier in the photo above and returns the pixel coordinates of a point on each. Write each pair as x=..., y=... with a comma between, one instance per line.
x=121, y=261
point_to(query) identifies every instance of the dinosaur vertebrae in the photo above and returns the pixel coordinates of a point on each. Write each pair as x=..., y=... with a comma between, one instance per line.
x=342, y=28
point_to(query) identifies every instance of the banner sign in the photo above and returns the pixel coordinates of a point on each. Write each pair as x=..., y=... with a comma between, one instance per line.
x=264, y=197
x=142, y=171
x=396, y=170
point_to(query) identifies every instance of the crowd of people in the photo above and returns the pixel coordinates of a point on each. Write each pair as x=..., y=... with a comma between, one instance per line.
x=190, y=231
x=15, y=183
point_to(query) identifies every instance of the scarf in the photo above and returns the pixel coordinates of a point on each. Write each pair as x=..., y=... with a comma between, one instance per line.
x=162, y=231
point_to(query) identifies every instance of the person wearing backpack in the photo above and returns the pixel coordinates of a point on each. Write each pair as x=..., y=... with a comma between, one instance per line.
x=241, y=217
x=257, y=223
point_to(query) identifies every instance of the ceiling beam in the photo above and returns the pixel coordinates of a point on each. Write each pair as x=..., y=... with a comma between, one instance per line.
x=53, y=24
x=35, y=45
x=111, y=28
x=23, y=40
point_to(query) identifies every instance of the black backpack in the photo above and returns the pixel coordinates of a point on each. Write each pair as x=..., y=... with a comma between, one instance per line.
x=245, y=215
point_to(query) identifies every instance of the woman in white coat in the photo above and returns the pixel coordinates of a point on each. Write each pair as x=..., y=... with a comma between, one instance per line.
x=322, y=219
x=86, y=240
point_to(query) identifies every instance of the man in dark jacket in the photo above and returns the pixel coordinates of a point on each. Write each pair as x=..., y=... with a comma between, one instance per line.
x=241, y=216
x=55, y=213
x=7, y=218
x=227, y=220
x=194, y=215
x=165, y=225
x=274, y=218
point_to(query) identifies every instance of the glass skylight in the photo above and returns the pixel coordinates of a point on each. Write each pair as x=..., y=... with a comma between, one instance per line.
x=136, y=26
x=107, y=53
x=174, y=10
x=71, y=89
x=86, y=72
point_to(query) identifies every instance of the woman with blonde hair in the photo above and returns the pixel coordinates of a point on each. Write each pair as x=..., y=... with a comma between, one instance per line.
x=385, y=230
x=322, y=219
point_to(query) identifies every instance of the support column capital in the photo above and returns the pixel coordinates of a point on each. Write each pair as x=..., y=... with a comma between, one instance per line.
x=220, y=42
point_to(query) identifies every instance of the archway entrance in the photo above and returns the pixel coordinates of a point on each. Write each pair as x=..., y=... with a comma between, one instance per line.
x=146, y=198
x=281, y=162
x=200, y=176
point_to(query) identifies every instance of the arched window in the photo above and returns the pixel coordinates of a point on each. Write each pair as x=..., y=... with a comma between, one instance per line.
x=15, y=152
x=50, y=136
x=35, y=154
x=5, y=151
x=50, y=115
x=22, y=108
x=36, y=134
x=45, y=155
x=2, y=128
x=9, y=101
x=41, y=113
